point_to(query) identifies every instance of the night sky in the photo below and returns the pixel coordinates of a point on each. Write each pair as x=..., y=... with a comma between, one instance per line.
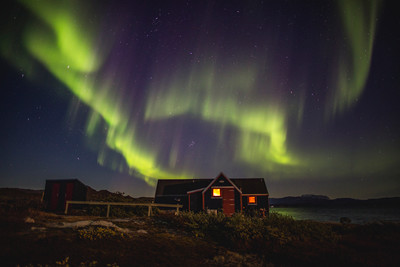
x=119, y=94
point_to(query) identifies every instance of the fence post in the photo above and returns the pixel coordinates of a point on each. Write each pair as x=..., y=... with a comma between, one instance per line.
x=108, y=210
x=66, y=208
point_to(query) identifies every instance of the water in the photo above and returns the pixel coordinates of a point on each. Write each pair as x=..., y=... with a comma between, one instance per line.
x=359, y=215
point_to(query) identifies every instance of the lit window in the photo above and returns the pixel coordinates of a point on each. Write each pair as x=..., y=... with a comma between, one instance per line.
x=216, y=192
x=252, y=200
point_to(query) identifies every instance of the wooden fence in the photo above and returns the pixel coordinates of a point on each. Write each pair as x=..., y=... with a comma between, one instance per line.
x=150, y=205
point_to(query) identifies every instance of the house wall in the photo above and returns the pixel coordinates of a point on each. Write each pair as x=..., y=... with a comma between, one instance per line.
x=210, y=202
x=237, y=201
x=196, y=201
x=213, y=203
x=262, y=203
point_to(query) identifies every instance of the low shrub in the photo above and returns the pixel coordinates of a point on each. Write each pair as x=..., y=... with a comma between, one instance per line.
x=248, y=232
x=118, y=211
x=98, y=233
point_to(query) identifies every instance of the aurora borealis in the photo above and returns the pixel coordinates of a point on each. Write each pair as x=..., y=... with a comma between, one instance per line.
x=301, y=93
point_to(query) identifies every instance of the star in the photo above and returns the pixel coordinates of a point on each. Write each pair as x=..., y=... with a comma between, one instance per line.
x=192, y=143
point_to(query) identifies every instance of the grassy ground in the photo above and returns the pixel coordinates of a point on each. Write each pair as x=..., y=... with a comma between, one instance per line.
x=31, y=237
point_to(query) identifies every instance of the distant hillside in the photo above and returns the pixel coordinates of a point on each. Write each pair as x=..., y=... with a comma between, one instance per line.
x=14, y=193
x=105, y=195
x=92, y=195
x=319, y=200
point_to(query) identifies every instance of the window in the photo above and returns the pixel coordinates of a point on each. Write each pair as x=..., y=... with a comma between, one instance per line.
x=252, y=200
x=216, y=192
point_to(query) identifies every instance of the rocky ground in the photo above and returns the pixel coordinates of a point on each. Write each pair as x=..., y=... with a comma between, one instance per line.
x=46, y=239
x=32, y=237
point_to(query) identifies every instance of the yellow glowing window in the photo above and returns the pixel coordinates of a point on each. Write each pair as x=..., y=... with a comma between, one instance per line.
x=252, y=200
x=216, y=192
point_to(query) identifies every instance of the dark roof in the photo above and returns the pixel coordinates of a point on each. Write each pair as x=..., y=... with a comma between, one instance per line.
x=65, y=181
x=182, y=186
x=251, y=185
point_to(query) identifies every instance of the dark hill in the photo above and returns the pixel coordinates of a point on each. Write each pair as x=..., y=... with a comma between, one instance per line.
x=324, y=201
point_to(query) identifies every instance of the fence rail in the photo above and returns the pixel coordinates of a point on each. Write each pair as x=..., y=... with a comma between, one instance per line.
x=149, y=205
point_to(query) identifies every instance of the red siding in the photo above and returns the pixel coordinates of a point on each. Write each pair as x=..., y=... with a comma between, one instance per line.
x=68, y=192
x=54, y=196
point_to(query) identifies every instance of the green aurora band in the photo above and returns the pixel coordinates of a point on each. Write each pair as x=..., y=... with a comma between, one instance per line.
x=261, y=126
x=70, y=50
x=70, y=55
x=359, y=21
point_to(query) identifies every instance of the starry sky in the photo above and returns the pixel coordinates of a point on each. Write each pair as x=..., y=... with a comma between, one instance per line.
x=119, y=94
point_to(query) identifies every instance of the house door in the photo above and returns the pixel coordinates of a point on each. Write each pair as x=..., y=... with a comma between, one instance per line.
x=228, y=201
x=55, y=192
x=68, y=192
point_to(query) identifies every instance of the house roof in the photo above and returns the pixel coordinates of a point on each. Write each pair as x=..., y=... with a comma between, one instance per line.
x=64, y=181
x=178, y=187
x=221, y=178
x=251, y=185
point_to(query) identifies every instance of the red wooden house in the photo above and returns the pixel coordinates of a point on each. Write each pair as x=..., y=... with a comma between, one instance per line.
x=212, y=195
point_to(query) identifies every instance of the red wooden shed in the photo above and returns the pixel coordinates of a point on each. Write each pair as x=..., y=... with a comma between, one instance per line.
x=57, y=192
